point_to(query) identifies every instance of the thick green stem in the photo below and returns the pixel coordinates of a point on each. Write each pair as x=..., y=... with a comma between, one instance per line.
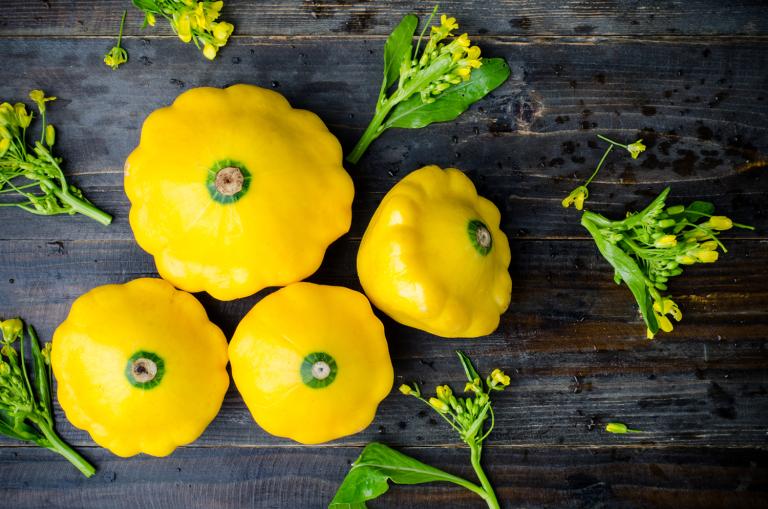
x=371, y=133
x=56, y=444
x=490, y=495
x=78, y=205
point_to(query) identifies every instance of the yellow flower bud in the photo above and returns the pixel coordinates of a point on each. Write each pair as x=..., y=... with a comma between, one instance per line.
x=438, y=405
x=666, y=241
x=664, y=323
x=5, y=143
x=705, y=256
x=10, y=328
x=636, y=148
x=444, y=392
x=719, y=223
x=499, y=377
x=184, y=28
x=710, y=245
x=37, y=96
x=464, y=72
x=685, y=260
x=209, y=51
x=50, y=135
x=578, y=201
x=406, y=389
x=222, y=31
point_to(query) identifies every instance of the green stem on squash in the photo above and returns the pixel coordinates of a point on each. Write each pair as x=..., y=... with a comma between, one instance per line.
x=489, y=495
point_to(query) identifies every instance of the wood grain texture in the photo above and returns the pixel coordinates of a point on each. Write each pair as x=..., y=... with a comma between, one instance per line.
x=307, y=477
x=572, y=338
x=688, y=77
x=363, y=17
x=703, y=112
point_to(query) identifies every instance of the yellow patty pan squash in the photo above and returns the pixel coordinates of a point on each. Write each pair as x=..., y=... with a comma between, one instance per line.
x=232, y=190
x=433, y=256
x=311, y=362
x=140, y=367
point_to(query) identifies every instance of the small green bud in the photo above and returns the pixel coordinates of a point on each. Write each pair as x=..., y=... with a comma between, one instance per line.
x=675, y=210
x=619, y=428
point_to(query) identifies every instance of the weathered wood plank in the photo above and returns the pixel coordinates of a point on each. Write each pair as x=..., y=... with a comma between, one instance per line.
x=362, y=17
x=572, y=338
x=702, y=111
x=308, y=477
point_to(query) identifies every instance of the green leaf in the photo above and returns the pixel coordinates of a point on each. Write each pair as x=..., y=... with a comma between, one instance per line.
x=413, y=113
x=469, y=368
x=146, y=6
x=378, y=464
x=397, y=48
x=625, y=267
x=698, y=210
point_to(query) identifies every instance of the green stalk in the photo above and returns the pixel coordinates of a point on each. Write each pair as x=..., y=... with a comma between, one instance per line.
x=56, y=444
x=78, y=205
x=489, y=495
x=371, y=132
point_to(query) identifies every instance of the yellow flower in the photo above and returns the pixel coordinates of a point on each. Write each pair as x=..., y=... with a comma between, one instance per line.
x=21, y=113
x=50, y=135
x=10, y=328
x=666, y=241
x=576, y=198
x=5, y=143
x=209, y=50
x=222, y=31
x=215, y=7
x=406, y=389
x=649, y=334
x=438, y=405
x=499, y=377
x=202, y=22
x=719, y=223
x=443, y=392
x=704, y=255
x=116, y=57
x=636, y=148
x=464, y=72
x=448, y=23
x=463, y=41
x=668, y=307
x=184, y=28
x=473, y=53
x=685, y=260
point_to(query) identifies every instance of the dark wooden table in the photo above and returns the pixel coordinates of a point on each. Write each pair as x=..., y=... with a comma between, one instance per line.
x=690, y=78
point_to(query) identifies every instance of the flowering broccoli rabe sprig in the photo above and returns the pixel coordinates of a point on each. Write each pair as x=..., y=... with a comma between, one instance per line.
x=466, y=415
x=117, y=56
x=435, y=83
x=192, y=21
x=650, y=247
x=26, y=407
x=22, y=167
x=581, y=193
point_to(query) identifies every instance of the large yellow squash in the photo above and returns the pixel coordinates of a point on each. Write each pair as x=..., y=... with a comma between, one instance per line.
x=434, y=258
x=311, y=362
x=232, y=190
x=140, y=367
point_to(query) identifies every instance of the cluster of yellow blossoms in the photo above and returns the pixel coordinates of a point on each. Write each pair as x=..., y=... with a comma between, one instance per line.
x=457, y=59
x=192, y=21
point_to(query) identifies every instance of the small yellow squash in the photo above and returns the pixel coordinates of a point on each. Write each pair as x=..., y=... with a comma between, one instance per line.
x=232, y=190
x=311, y=362
x=140, y=367
x=433, y=256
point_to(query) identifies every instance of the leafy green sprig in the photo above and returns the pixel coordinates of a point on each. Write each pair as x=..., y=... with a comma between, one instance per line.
x=435, y=83
x=26, y=407
x=648, y=248
x=117, y=56
x=192, y=21
x=468, y=416
x=23, y=168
